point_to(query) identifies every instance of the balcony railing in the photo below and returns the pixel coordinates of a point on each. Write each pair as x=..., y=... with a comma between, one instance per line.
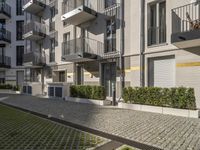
x=185, y=17
x=34, y=59
x=34, y=6
x=156, y=35
x=186, y=25
x=37, y=30
x=82, y=48
x=6, y=10
x=5, y=61
x=52, y=26
x=5, y=36
x=34, y=1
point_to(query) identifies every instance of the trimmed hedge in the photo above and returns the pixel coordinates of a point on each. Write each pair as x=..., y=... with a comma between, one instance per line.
x=87, y=91
x=182, y=98
x=9, y=87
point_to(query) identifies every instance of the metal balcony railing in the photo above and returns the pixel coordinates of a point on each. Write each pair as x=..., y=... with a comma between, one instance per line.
x=82, y=45
x=156, y=35
x=69, y=5
x=35, y=27
x=89, y=46
x=186, y=18
x=5, y=8
x=5, y=35
x=97, y=5
x=52, y=26
x=5, y=61
x=34, y=1
x=36, y=58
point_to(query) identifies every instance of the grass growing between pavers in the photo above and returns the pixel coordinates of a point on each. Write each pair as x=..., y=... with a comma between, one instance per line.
x=20, y=130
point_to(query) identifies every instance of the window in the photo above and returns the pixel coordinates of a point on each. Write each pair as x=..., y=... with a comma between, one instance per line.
x=19, y=55
x=52, y=51
x=110, y=35
x=62, y=76
x=66, y=43
x=19, y=10
x=19, y=30
x=109, y=3
x=157, y=23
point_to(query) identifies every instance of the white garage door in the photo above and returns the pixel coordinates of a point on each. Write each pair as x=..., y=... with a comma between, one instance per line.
x=162, y=72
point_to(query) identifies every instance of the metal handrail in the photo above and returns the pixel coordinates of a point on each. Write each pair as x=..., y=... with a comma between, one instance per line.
x=156, y=35
x=5, y=8
x=180, y=15
x=81, y=45
x=98, y=5
x=5, y=34
x=36, y=57
x=5, y=60
x=27, y=1
x=35, y=26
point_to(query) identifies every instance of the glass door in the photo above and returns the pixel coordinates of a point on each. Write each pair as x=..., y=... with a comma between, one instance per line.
x=109, y=77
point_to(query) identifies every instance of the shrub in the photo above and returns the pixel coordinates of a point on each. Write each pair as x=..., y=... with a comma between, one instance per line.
x=183, y=98
x=87, y=91
x=9, y=87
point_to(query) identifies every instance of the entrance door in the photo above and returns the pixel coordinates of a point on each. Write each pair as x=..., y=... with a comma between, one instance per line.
x=20, y=77
x=79, y=75
x=109, y=77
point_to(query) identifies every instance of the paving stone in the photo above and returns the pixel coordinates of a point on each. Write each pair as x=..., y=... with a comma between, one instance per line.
x=162, y=131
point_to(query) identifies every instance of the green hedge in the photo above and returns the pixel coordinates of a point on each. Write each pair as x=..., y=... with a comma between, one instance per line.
x=182, y=98
x=9, y=87
x=89, y=92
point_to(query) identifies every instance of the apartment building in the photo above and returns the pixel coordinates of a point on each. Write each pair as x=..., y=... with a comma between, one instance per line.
x=11, y=42
x=114, y=43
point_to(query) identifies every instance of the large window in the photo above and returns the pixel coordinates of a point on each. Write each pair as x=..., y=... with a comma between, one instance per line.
x=52, y=51
x=110, y=41
x=19, y=10
x=157, y=23
x=62, y=76
x=19, y=55
x=19, y=30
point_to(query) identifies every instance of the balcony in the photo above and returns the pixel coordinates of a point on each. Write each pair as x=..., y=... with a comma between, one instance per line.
x=34, y=6
x=34, y=59
x=81, y=49
x=5, y=62
x=186, y=26
x=34, y=31
x=5, y=11
x=77, y=12
x=5, y=36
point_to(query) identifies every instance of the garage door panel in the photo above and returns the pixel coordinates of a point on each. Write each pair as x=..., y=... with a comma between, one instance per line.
x=162, y=72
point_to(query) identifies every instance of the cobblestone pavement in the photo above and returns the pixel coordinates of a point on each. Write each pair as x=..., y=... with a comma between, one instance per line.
x=162, y=131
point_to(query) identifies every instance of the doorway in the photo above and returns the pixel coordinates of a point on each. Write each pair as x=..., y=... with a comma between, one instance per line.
x=109, y=77
x=79, y=75
x=20, y=78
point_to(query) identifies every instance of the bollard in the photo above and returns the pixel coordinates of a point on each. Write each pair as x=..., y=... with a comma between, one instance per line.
x=113, y=94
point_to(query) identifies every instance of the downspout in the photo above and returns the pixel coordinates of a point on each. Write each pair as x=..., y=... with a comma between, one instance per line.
x=121, y=60
x=142, y=43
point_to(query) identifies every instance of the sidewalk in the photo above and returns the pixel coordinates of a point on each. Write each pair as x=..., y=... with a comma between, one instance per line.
x=161, y=131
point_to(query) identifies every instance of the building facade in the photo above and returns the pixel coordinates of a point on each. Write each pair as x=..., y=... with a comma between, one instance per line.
x=11, y=42
x=114, y=43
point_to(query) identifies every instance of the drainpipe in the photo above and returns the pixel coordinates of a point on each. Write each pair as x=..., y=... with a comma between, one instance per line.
x=142, y=43
x=121, y=59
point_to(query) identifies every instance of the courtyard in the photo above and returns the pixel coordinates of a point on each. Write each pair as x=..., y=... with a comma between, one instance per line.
x=139, y=129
